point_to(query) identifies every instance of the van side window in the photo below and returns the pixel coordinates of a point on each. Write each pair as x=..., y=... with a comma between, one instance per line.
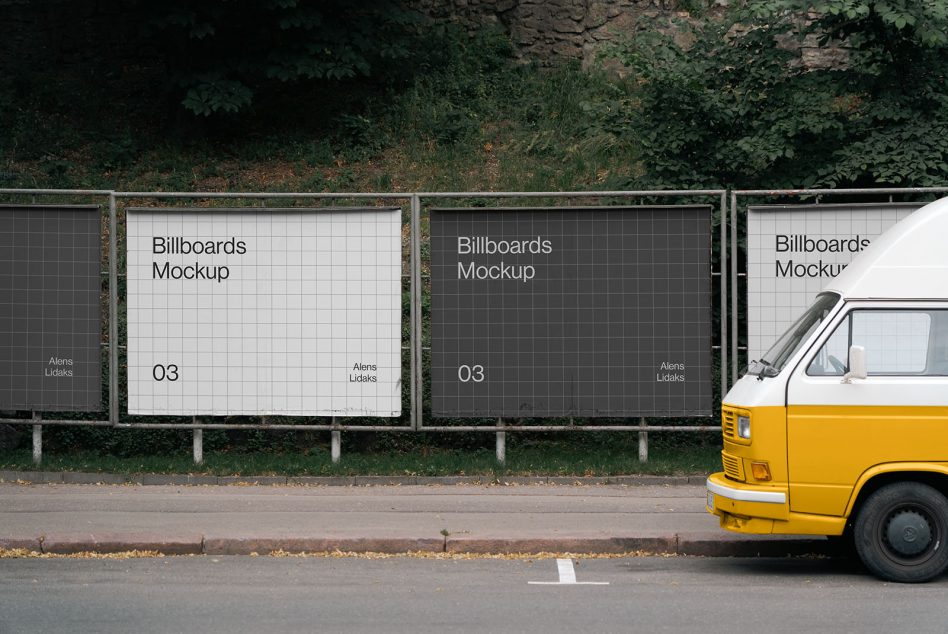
x=897, y=342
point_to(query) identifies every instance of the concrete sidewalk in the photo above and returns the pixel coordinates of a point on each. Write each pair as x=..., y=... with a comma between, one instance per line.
x=235, y=520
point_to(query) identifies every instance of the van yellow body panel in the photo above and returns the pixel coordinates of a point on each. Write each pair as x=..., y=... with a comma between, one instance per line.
x=830, y=448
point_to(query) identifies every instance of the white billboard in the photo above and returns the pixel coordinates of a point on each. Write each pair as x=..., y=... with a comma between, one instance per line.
x=291, y=312
x=793, y=251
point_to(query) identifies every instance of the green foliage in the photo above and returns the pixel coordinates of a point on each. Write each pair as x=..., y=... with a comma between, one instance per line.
x=106, y=441
x=457, y=85
x=223, y=53
x=359, y=136
x=214, y=94
x=460, y=112
x=734, y=103
x=472, y=91
x=311, y=457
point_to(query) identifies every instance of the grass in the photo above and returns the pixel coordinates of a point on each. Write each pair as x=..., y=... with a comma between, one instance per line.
x=546, y=459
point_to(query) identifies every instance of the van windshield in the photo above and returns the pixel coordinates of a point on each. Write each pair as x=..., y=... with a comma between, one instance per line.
x=776, y=358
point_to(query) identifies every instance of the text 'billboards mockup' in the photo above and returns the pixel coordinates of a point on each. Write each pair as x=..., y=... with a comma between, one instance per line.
x=264, y=311
x=571, y=312
x=793, y=251
x=50, y=328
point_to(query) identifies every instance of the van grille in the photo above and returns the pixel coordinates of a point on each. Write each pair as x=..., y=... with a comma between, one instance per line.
x=733, y=467
x=728, y=423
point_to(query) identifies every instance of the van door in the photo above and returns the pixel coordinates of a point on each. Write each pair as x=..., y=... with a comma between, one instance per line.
x=836, y=430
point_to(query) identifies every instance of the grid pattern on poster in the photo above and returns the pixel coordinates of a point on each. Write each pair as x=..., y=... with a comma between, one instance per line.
x=605, y=312
x=50, y=328
x=298, y=312
x=788, y=265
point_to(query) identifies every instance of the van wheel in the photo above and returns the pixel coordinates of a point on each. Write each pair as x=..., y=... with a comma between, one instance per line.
x=900, y=533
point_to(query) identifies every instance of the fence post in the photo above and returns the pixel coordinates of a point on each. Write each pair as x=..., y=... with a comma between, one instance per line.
x=198, y=443
x=734, y=291
x=335, y=443
x=415, y=316
x=643, y=441
x=113, y=312
x=501, y=444
x=722, y=267
x=37, y=439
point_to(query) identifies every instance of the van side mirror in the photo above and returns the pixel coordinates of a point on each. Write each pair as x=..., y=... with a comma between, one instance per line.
x=857, y=364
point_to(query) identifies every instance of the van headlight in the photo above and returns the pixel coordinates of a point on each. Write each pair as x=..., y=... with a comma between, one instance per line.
x=744, y=427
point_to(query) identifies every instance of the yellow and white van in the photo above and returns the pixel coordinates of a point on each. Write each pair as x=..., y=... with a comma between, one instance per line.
x=841, y=428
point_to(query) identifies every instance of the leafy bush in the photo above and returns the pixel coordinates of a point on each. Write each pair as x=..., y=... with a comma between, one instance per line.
x=458, y=83
x=733, y=102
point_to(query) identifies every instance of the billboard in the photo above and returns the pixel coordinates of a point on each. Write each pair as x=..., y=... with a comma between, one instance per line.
x=793, y=251
x=264, y=311
x=50, y=324
x=544, y=312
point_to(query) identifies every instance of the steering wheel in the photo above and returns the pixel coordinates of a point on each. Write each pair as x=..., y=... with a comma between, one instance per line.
x=837, y=364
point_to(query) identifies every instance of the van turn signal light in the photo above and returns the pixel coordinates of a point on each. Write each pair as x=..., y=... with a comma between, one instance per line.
x=760, y=471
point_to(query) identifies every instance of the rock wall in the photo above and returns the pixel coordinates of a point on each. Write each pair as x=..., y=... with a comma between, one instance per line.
x=545, y=30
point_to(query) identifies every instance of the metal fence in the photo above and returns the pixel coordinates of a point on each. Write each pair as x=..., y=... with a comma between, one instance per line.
x=730, y=276
x=414, y=206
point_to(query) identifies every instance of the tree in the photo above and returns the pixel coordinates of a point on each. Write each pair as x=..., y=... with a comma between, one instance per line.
x=220, y=53
x=733, y=101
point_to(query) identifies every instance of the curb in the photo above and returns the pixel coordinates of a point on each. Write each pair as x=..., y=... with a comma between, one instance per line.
x=267, y=545
x=657, y=544
x=71, y=544
x=184, y=479
x=702, y=545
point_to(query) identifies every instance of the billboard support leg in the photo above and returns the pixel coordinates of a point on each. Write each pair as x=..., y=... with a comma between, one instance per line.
x=643, y=442
x=198, y=444
x=417, y=290
x=335, y=444
x=113, y=312
x=501, y=444
x=37, y=440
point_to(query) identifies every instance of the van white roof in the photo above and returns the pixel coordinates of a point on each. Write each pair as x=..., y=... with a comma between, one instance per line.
x=909, y=261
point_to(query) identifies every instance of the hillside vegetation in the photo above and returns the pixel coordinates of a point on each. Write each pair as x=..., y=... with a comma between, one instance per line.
x=378, y=99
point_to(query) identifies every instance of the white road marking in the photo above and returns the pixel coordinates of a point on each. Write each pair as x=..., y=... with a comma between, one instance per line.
x=566, y=570
x=567, y=576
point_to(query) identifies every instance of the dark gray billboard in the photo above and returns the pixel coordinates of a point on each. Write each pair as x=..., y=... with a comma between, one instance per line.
x=556, y=312
x=50, y=284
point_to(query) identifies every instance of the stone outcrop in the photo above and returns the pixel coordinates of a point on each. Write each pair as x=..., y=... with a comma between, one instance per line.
x=547, y=30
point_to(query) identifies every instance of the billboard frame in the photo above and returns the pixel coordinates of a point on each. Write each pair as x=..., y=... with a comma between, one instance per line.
x=36, y=419
x=501, y=426
x=197, y=424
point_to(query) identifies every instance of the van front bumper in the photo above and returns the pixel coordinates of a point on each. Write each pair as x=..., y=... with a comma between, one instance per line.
x=746, y=508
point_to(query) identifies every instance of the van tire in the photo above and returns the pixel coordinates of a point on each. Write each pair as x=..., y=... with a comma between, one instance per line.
x=900, y=533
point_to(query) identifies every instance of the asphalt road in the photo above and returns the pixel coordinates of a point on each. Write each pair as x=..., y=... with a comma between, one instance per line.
x=273, y=595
